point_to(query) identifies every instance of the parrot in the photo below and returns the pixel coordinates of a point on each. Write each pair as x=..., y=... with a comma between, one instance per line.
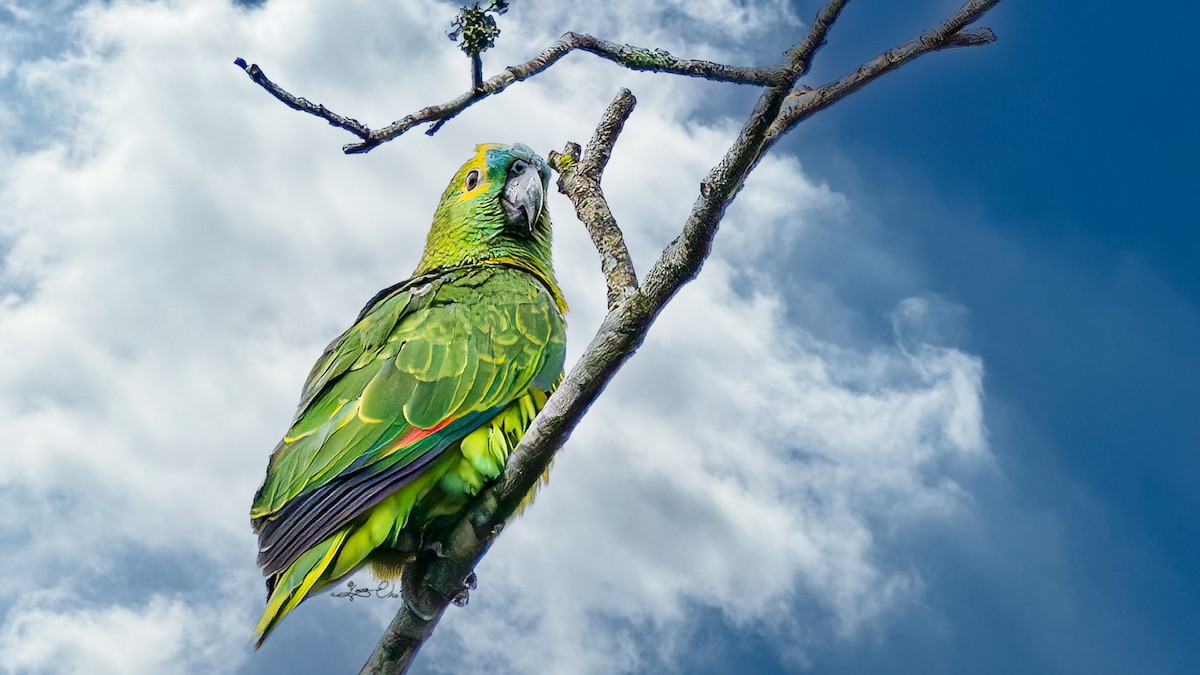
x=413, y=410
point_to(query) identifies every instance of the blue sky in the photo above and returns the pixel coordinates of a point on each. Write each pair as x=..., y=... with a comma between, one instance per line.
x=930, y=407
x=1058, y=167
x=1061, y=173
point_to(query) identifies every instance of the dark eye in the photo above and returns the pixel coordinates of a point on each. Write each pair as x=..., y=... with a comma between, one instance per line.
x=472, y=179
x=518, y=166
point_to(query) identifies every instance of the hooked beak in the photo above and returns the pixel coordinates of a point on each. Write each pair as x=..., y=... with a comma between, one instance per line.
x=523, y=195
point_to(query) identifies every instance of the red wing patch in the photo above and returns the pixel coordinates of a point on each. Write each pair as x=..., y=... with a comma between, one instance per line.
x=417, y=434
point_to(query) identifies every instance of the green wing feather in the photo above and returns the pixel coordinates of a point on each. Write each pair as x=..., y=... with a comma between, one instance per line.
x=452, y=347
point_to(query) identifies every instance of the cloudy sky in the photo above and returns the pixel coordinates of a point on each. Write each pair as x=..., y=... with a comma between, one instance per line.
x=930, y=407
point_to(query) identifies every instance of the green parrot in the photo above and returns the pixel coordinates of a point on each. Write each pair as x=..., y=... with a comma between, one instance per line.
x=410, y=412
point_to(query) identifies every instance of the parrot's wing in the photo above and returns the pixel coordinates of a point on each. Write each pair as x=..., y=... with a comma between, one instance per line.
x=426, y=364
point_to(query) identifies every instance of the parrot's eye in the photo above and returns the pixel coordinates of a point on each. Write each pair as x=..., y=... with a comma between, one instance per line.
x=472, y=179
x=518, y=166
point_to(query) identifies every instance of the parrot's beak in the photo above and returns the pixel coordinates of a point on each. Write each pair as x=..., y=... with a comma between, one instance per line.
x=523, y=194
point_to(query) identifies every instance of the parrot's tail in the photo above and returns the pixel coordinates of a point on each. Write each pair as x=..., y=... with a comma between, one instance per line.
x=311, y=572
x=343, y=553
x=378, y=537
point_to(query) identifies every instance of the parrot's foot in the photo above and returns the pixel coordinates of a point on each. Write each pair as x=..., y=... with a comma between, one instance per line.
x=423, y=594
x=463, y=596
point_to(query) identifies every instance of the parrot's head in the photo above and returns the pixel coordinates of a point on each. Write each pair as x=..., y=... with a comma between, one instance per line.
x=494, y=207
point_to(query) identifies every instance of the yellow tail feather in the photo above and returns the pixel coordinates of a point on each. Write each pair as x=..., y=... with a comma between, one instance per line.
x=296, y=582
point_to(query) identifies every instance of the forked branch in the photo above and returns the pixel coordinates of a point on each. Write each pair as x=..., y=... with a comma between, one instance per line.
x=633, y=58
x=796, y=64
x=579, y=180
x=431, y=585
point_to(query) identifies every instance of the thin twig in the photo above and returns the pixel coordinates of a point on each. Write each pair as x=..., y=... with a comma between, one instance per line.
x=260, y=78
x=579, y=180
x=476, y=72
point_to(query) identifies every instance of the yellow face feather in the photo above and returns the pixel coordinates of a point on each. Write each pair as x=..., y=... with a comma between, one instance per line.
x=476, y=163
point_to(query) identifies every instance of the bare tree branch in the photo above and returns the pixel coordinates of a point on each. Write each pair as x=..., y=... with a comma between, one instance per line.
x=948, y=34
x=579, y=180
x=435, y=580
x=659, y=61
x=302, y=104
x=681, y=261
x=634, y=58
x=801, y=55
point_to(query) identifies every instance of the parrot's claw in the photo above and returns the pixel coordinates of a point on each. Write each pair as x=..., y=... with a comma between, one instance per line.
x=463, y=596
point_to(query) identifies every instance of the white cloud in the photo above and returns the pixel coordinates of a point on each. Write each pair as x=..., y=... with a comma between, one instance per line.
x=156, y=636
x=182, y=246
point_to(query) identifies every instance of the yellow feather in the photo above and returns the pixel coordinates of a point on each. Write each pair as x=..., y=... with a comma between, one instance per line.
x=283, y=600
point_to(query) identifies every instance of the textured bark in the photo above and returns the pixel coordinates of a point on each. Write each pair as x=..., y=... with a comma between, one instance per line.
x=632, y=308
x=579, y=180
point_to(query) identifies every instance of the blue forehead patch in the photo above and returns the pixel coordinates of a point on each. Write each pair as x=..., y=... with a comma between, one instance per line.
x=501, y=156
